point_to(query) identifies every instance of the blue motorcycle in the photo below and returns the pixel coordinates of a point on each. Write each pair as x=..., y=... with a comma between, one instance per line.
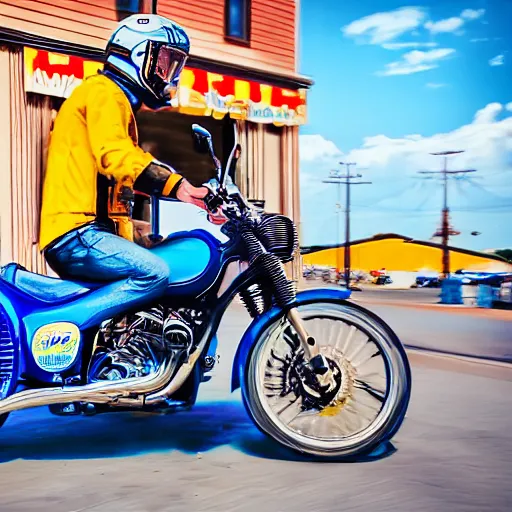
x=318, y=373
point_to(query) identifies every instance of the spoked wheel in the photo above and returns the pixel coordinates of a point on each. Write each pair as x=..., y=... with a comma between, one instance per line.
x=372, y=390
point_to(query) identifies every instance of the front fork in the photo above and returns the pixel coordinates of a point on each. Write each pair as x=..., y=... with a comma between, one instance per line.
x=273, y=268
x=316, y=360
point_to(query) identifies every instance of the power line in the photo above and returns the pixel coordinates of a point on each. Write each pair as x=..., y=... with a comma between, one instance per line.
x=445, y=214
x=339, y=179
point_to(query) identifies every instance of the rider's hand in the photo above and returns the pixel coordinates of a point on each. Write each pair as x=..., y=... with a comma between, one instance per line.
x=217, y=218
x=187, y=193
x=141, y=232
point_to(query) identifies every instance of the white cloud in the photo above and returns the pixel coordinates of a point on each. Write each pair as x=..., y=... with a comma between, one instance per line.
x=434, y=85
x=382, y=27
x=316, y=147
x=399, y=202
x=403, y=68
x=455, y=23
x=417, y=56
x=479, y=40
x=447, y=25
x=499, y=60
x=412, y=44
x=488, y=114
x=472, y=14
x=416, y=61
x=485, y=140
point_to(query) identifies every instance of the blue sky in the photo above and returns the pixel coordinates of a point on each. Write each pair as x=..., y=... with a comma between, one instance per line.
x=393, y=82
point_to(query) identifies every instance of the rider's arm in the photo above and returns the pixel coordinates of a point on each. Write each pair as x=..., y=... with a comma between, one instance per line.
x=158, y=179
x=108, y=119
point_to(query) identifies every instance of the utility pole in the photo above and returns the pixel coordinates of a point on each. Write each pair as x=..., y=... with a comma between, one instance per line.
x=345, y=179
x=445, y=214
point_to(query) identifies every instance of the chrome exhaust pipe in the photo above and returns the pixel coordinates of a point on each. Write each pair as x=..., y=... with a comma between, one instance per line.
x=97, y=392
x=157, y=388
x=157, y=396
x=176, y=382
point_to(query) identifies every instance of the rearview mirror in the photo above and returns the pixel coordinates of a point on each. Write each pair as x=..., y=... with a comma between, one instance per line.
x=202, y=140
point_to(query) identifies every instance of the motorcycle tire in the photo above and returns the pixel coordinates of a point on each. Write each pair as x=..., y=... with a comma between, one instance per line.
x=395, y=397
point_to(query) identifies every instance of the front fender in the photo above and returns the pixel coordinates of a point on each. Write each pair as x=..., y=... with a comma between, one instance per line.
x=259, y=324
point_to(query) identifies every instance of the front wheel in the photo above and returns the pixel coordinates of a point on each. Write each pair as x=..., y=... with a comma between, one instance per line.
x=373, y=389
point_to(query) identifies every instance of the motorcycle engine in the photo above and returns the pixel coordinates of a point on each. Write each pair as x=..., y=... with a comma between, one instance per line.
x=136, y=345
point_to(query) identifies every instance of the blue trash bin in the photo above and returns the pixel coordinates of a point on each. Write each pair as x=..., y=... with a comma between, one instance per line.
x=485, y=296
x=451, y=291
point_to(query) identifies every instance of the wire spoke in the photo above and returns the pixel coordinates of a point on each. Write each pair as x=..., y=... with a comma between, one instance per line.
x=290, y=411
x=375, y=393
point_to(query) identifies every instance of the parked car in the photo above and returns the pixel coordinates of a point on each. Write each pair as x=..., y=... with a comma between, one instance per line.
x=428, y=282
x=381, y=280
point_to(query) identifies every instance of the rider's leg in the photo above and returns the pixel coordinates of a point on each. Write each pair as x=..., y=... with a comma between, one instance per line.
x=134, y=274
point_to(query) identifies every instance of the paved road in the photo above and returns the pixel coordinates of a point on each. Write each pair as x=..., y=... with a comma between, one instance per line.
x=450, y=332
x=453, y=454
x=465, y=331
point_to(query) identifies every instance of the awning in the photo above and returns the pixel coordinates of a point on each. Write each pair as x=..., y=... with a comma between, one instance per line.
x=200, y=92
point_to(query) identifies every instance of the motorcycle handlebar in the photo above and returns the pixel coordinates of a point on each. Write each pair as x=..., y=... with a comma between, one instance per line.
x=212, y=201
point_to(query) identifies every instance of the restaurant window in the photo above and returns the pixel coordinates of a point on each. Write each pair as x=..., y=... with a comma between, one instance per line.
x=238, y=20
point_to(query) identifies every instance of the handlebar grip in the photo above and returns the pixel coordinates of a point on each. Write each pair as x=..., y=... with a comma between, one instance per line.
x=212, y=201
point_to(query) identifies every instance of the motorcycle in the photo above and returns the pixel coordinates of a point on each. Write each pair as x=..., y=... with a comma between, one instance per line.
x=318, y=373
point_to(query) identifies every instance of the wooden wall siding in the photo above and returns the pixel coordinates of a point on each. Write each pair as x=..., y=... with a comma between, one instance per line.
x=28, y=122
x=90, y=22
x=272, y=45
x=79, y=21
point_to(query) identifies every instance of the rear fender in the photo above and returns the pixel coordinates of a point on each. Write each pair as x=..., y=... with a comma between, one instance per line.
x=259, y=324
x=11, y=338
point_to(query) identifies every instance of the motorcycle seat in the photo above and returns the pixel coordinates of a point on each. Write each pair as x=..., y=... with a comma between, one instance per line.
x=43, y=288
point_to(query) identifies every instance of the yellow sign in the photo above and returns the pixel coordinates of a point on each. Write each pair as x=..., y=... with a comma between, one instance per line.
x=55, y=346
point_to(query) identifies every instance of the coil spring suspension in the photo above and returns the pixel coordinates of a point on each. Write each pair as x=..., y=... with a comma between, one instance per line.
x=255, y=300
x=284, y=290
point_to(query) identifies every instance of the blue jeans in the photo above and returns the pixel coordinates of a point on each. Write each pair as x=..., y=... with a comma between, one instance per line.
x=131, y=274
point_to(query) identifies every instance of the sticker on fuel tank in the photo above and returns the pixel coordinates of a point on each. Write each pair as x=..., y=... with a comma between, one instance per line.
x=55, y=346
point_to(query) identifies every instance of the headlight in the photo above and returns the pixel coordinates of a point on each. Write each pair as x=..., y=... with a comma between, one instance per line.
x=278, y=235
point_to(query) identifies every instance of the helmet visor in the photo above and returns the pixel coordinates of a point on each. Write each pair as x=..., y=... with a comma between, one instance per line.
x=169, y=63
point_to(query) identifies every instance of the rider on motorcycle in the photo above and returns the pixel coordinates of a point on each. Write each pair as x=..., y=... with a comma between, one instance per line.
x=95, y=163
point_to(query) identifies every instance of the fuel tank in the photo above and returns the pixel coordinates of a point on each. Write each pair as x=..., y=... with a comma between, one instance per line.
x=194, y=259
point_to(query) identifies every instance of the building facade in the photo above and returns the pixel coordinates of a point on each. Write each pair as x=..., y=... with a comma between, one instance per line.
x=243, y=66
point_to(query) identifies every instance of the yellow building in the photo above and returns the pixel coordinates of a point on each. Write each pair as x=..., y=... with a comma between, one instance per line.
x=399, y=253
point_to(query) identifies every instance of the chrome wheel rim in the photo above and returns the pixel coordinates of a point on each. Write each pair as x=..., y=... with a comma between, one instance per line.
x=371, y=379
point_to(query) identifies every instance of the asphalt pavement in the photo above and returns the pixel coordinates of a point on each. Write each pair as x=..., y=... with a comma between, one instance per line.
x=421, y=322
x=452, y=454
x=446, y=331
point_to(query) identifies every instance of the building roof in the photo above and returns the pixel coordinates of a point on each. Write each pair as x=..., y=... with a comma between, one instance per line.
x=406, y=239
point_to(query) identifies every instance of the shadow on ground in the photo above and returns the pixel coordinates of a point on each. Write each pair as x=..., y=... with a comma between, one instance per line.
x=37, y=435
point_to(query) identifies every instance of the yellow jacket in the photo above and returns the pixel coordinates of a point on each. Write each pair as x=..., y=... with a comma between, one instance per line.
x=94, y=132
